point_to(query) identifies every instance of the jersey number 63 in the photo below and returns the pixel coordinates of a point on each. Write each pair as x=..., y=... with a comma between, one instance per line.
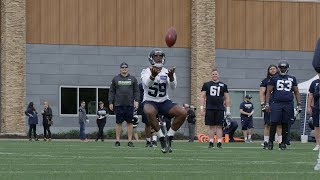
x=284, y=85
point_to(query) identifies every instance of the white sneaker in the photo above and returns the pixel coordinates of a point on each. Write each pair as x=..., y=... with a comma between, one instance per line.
x=317, y=167
x=316, y=148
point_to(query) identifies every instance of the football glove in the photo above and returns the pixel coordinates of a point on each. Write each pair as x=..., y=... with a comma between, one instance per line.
x=263, y=107
x=298, y=109
x=228, y=121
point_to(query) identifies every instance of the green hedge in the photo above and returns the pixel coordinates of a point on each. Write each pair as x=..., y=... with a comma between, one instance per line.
x=111, y=134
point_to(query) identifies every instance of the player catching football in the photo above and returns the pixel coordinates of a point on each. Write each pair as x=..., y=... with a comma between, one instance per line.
x=156, y=80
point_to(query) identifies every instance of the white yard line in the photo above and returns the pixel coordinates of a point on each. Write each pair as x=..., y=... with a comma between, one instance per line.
x=48, y=172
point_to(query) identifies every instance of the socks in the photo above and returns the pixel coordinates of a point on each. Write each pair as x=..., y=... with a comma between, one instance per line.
x=171, y=132
x=154, y=138
x=249, y=136
x=148, y=139
x=279, y=139
x=266, y=138
x=160, y=133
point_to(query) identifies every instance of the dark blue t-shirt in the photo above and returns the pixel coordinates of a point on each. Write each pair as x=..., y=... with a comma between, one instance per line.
x=246, y=107
x=215, y=95
x=282, y=88
x=314, y=89
x=264, y=83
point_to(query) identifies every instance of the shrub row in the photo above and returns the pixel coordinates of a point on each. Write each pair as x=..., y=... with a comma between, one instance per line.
x=111, y=134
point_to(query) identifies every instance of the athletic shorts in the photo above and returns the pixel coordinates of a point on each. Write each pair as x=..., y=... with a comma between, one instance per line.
x=281, y=112
x=246, y=123
x=315, y=117
x=214, y=117
x=124, y=113
x=266, y=117
x=162, y=107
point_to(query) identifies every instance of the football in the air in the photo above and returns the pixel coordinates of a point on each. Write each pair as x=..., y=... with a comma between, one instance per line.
x=171, y=37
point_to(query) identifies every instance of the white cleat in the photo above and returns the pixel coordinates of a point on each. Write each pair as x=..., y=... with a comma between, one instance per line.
x=317, y=167
x=316, y=148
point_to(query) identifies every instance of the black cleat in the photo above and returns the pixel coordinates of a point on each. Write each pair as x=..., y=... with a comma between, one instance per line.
x=130, y=144
x=283, y=146
x=169, y=144
x=219, y=145
x=211, y=145
x=265, y=145
x=148, y=144
x=288, y=143
x=117, y=144
x=154, y=144
x=163, y=145
x=270, y=145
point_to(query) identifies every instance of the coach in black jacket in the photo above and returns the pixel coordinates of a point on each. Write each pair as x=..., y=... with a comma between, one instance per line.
x=123, y=99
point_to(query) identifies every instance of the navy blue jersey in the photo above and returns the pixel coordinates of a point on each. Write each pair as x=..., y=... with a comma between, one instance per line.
x=314, y=89
x=264, y=83
x=246, y=107
x=282, y=88
x=215, y=94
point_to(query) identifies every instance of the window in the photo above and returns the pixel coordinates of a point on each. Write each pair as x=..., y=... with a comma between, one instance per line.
x=89, y=96
x=70, y=98
x=237, y=97
x=69, y=101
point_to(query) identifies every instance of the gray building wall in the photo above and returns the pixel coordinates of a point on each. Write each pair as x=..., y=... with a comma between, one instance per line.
x=50, y=66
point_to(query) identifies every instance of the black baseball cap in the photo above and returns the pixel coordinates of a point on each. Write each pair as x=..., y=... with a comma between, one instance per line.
x=124, y=64
x=248, y=96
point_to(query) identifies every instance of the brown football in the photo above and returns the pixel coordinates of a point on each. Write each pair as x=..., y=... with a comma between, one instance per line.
x=171, y=37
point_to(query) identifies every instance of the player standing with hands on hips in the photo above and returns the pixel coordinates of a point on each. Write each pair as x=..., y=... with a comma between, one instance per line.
x=156, y=81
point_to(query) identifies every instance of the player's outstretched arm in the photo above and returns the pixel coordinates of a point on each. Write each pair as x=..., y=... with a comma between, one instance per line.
x=172, y=78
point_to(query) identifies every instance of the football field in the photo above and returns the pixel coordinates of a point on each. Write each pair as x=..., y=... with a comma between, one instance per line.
x=71, y=159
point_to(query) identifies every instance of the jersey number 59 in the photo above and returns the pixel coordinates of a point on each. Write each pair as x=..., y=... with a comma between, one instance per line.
x=158, y=89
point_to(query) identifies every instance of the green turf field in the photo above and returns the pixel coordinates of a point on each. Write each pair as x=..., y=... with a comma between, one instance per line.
x=21, y=159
